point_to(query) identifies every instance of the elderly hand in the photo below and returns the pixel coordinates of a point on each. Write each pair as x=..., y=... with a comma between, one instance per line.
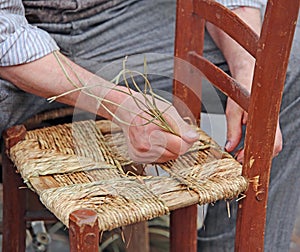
x=236, y=117
x=241, y=65
x=148, y=142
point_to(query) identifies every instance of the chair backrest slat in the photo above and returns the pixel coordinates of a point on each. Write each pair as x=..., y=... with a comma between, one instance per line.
x=222, y=80
x=229, y=22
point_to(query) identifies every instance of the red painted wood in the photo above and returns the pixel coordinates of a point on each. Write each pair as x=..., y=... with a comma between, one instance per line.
x=137, y=237
x=272, y=59
x=14, y=224
x=183, y=229
x=189, y=36
x=271, y=51
x=13, y=135
x=84, y=231
x=187, y=85
x=221, y=80
x=229, y=22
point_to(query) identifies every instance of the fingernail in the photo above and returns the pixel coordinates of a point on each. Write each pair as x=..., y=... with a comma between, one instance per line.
x=191, y=134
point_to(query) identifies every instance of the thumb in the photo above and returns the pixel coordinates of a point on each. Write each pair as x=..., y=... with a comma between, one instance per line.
x=186, y=131
x=190, y=134
x=234, y=132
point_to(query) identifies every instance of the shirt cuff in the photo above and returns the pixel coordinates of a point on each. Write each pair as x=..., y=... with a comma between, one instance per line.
x=233, y=4
x=25, y=44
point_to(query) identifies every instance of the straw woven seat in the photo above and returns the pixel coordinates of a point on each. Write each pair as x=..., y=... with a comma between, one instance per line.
x=80, y=166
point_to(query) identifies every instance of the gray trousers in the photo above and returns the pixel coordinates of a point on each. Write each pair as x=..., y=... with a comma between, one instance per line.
x=140, y=27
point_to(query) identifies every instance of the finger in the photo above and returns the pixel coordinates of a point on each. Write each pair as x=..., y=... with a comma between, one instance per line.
x=240, y=156
x=158, y=146
x=234, y=128
x=156, y=155
x=234, y=134
x=186, y=131
x=166, y=156
x=278, y=141
x=169, y=142
x=277, y=146
x=245, y=118
x=144, y=146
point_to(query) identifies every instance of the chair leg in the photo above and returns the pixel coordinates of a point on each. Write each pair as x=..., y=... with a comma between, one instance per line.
x=84, y=231
x=137, y=237
x=14, y=203
x=14, y=224
x=183, y=229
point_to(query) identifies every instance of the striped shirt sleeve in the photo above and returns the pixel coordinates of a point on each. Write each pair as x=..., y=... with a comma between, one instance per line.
x=231, y=4
x=21, y=42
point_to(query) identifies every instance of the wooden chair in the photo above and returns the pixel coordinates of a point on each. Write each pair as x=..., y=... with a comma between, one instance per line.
x=271, y=51
x=104, y=181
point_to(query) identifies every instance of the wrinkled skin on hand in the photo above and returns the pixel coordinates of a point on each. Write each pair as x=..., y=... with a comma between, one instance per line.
x=149, y=143
x=241, y=65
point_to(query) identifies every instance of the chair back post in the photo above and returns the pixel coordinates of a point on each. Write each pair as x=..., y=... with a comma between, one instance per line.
x=188, y=37
x=272, y=56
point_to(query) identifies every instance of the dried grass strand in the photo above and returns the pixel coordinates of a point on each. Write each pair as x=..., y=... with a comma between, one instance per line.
x=147, y=106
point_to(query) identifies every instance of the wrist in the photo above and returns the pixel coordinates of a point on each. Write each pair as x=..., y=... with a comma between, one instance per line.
x=117, y=105
x=243, y=71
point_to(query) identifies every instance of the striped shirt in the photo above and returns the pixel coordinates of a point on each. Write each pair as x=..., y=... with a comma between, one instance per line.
x=21, y=42
x=231, y=4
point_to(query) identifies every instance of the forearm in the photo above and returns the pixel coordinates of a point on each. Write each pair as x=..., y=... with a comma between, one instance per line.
x=45, y=77
x=239, y=61
x=241, y=65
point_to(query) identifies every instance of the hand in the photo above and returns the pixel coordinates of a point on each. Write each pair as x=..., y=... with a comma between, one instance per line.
x=146, y=142
x=236, y=117
x=149, y=143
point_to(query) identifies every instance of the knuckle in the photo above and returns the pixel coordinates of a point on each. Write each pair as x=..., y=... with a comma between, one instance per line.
x=142, y=147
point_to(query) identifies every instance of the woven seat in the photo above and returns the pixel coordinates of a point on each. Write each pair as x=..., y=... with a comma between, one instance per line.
x=80, y=166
